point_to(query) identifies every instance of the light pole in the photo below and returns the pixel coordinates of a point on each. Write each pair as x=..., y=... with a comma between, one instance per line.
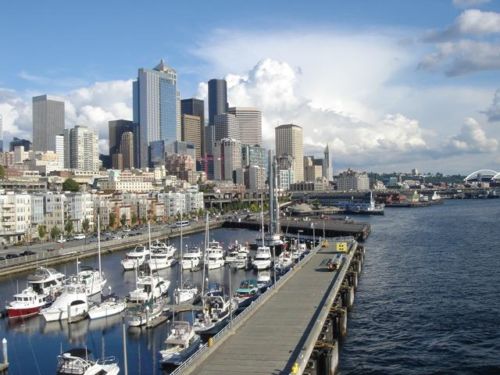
x=314, y=236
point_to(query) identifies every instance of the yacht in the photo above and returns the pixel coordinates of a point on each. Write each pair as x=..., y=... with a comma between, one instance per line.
x=242, y=261
x=180, y=344
x=144, y=314
x=93, y=280
x=262, y=260
x=43, y=287
x=159, y=245
x=160, y=259
x=191, y=259
x=149, y=287
x=214, y=255
x=284, y=261
x=264, y=281
x=72, y=304
x=78, y=362
x=247, y=292
x=135, y=258
x=235, y=252
x=217, y=309
x=186, y=293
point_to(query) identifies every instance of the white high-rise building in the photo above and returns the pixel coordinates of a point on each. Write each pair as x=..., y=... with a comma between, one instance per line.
x=60, y=150
x=81, y=149
x=156, y=108
x=250, y=124
x=48, y=121
x=227, y=159
x=289, y=141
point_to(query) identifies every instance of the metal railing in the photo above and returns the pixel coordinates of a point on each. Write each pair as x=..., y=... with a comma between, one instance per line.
x=253, y=306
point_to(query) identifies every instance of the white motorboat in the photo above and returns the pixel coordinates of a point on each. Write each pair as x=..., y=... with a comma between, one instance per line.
x=264, y=281
x=72, y=304
x=149, y=287
x=247, y=292
x=145, y=313
x=93, y=280
x=159, y=245
x=79, y=362
x=160, y=259
x=263, y=259
x=284, y=261
x=43, y=287
x=191, y=258
x=110, y=306
x=188, y=292
x=214, y=255
x=135, y=258
x=180, y=344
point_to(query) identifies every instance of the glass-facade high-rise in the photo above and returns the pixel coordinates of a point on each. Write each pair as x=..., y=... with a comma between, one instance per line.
x=217, y=99
x=48, y=121
x=156, y=108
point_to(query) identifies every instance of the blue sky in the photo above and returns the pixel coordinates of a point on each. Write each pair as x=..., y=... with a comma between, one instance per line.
x=390, y=84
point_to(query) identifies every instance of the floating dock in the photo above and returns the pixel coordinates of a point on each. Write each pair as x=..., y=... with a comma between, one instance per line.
x=293, y=328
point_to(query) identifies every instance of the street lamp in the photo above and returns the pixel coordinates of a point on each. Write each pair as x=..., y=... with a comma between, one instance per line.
x=314, y=236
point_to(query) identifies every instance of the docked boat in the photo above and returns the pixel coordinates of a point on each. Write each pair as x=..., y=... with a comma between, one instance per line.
x=78, y=362
x=264, y=281
x=242, y=261
x=160, y=259
x=191, y=259
x=263, y=259
x=284, y=261
x=43, y=287
x=217, y=310
x=135, y=258
x=164, y=247
x=145, y=313
x=180, y=344
x=186, y=293
x=108, y=307
x=214, y=255
x=93, y=280
x=236, y=252
x=247, y=292
x=149, y=287
x=72, y=304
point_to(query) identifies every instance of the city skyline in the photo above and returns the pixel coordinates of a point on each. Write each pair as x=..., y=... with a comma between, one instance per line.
x=428, y=99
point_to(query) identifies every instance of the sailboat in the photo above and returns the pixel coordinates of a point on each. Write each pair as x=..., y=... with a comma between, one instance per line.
x=78, y=362
x=262, y=260
x=148, y=294
x=184, y=293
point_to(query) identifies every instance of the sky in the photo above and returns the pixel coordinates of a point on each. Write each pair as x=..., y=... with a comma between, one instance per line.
x=390, y=85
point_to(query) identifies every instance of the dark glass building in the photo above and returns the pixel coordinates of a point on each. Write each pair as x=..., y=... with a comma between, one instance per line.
x=116, y=130
x=20, y=142
x=217, y=99
x=195, y=107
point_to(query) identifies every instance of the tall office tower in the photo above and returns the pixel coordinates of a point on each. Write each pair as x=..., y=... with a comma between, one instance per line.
x=289, y=141
x=226, y=126
x=48, y=121
x=156, y=103
x=217, y=99
x=60, y=150
x=227, y=159
x=196, y=107
x=1, y=133
x=116, y=130
x=83, y=152
x=127, y=150
x=191, y=132
x=327, y=167
x=253, y=155
x=250, y=121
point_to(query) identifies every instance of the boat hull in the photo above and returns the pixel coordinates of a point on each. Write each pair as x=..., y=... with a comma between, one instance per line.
x=176, y=359
x=22, y=312
x=99, y=312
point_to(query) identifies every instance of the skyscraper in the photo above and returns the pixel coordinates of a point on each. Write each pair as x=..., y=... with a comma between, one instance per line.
x=217, y=98
x=116, y=130
x=196, y=107
x=289, y=141
x=81, y=149
x=327, y=167
x=227, y=159
x=20, y=142
x=48, y=121
x=226, y=126
x=127, y=150
x=191, y=132
x=250, y=124
x=156, y=107
x=60, y=150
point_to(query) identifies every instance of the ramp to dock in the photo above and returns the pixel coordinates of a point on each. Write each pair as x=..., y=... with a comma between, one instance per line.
x=282, y=329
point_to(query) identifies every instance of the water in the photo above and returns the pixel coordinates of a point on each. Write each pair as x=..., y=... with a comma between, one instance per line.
x=428, y=300
x=429, y=296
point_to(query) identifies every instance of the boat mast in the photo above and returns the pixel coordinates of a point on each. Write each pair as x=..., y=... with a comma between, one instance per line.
x=204, y=255
x=99, y=243
x=182, y=253
x=262, y=218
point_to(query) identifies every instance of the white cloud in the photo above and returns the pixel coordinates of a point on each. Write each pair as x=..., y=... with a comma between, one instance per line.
x=462, y=57
x=471, y=139
x=469, y=3
x=493, y=112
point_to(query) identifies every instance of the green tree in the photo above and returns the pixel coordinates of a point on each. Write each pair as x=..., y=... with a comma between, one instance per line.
x=42, y=231
x=68, y=227
x=123, y=220
x=2, y=172
x=70, y=185
x=85, y=225
x=112, y=219
x=55, y=232
x=134, y=219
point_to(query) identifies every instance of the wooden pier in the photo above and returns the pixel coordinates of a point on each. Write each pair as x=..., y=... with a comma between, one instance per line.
x=293, y=328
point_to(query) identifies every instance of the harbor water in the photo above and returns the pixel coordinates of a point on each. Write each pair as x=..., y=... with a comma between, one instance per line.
x=428, y=300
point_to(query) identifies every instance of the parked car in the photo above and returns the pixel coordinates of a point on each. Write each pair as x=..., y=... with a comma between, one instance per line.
x=11, y=256
x=61, y=240
x=27, y=253
x=79, y=236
